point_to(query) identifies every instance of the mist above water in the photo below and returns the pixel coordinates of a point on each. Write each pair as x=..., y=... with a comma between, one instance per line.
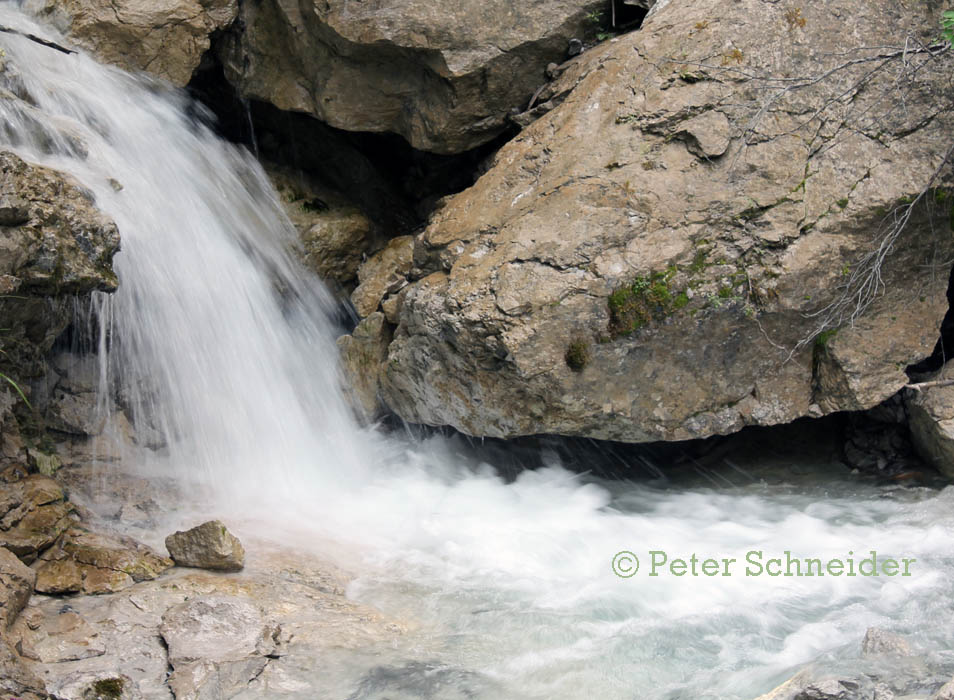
x=222, y=349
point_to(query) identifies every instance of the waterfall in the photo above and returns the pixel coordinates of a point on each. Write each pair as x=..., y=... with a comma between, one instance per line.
x=222, y=349
x=222, y=344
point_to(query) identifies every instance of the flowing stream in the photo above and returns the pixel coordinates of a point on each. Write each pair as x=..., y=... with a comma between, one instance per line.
x=223, y=347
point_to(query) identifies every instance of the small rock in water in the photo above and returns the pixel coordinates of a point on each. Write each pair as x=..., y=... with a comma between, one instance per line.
x=879, y=641
x=207, y=546
x=946, y=692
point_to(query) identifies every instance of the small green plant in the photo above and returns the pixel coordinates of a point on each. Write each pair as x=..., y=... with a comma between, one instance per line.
x=16, y=386
x=645, y=299
x=577, y=354
x=595, y=17
x=842, y=203
x=823, y=338
x=947, y=27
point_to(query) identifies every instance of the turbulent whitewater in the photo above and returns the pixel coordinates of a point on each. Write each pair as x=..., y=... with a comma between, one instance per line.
x=222, y=349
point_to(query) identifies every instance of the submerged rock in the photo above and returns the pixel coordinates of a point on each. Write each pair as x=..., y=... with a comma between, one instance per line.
x=879, y=641
x=656, y=225
x=207, y=546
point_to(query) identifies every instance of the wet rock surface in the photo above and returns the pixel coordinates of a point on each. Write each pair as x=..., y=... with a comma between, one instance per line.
x=165, y=38
x=931, y=417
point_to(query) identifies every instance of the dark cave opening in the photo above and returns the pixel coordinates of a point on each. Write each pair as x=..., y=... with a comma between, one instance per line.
x=395, y=184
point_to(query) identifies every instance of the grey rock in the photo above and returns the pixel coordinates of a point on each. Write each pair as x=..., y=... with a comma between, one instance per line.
x=60, y=251
x=92, y=685
x=63, y=637
x=16, y=587
x=574, y=48
x=16, y=679
x=14, y=211
x=207, y=546
x=931, y=421
x=217, y=644
x=879, y=641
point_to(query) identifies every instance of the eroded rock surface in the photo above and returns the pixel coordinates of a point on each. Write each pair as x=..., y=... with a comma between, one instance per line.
x=642, y=262
x=931, y=420
x=443, y=76
x=91, y=563
x=166, y=38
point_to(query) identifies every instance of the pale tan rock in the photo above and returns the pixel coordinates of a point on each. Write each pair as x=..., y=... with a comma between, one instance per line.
x=363, y=354
x=33, y=514
x=164, y=37
x=207, y=546
x=383, y=274
x=640, y=174
x=443, y=76
x=95, y=562
x=65, y=636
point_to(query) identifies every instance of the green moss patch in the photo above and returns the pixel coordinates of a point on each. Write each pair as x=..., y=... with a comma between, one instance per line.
x=644, y=300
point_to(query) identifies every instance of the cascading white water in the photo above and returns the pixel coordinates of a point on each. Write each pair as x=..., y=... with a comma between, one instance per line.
x=224, y=347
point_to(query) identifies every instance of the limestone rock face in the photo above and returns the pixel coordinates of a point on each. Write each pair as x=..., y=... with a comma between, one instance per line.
x=207, y=546
x=931, y=419
x=363, y=354
x=217, y=644
x=16, y=586
x=442, y=75
x=33, y=514
x=166, y=38
x=334, y=233
x=54, y=243
x=92, y=563
x=642, y=263
x=15, y=678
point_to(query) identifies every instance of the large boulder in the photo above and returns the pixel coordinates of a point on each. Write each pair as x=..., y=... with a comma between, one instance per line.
x=654, y=259
x=442, y=75
x=164, y=37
